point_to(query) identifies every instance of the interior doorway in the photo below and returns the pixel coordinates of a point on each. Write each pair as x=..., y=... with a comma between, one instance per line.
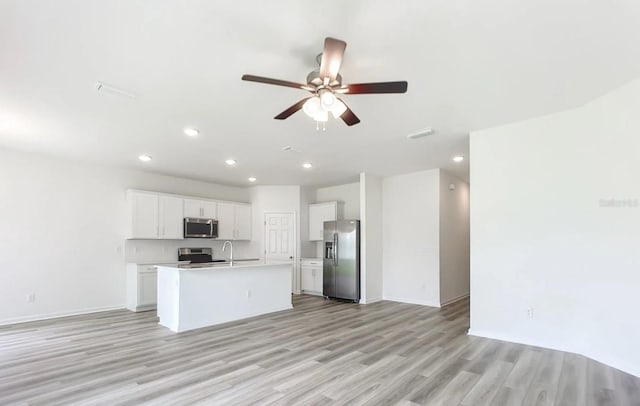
x=280, y=241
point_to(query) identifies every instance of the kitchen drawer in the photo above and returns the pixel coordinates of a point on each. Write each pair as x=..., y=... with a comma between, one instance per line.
x=311, y=262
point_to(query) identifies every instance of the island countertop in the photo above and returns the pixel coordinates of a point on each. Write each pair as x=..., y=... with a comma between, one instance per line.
x=226, y=265
x=192, y=296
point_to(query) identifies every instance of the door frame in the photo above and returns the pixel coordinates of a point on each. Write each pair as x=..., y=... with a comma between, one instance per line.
x=296, y=267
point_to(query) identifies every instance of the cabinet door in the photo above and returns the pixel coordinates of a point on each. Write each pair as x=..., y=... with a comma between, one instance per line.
x=317, y=279
x=171, y=212
x=147, y=288
x=209, y=210
x=318, y=214
x=243, y=222
x=144, y=215
x=192, y=208
x=307, y=279
x=226, y=221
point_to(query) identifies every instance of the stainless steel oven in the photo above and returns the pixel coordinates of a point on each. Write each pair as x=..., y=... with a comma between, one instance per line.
x=200, y=228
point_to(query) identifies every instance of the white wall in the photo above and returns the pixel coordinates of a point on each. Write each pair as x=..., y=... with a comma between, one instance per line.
x=454, y=238
x=410, y=250
x=370, y=238
x=544, y=236
x=63, y=232
x=349, y=194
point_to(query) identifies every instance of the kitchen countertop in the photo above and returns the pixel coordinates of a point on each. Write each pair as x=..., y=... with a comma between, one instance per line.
x=253, y=263
x=175, y=263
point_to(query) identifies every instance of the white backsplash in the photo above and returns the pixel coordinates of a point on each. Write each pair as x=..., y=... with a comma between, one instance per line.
x=150, y=251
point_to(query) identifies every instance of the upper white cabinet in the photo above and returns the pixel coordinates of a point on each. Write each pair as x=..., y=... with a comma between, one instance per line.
x=200, y=209
x=234, y=221
x=144, y=215
x=154, y=216
x=243, y=222
x=170, y=218
x=318, y=214
x=161, y=216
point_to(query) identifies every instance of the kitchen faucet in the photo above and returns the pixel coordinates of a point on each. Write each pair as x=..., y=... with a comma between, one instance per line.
x=230, y=250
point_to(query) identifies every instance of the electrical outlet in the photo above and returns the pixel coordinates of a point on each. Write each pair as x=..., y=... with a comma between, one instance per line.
x=530, y=313
x=31, y=298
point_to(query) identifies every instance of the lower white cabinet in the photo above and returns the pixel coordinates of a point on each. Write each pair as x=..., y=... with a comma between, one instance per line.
x=142, y=287
x=311, y=280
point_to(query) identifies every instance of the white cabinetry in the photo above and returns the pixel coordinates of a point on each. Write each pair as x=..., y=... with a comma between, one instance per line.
x=311, y=270
x=144, y=215
x=142, y=287
x=234, y=221
x=318, y=214
x=243, y=222
x=200, y=209
x=154, y=216
x=160, y=216
x=170, y=218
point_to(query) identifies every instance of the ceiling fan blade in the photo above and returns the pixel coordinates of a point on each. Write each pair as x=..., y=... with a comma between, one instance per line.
x=277, y=82
x=331, y=59
x=348, y=117
x=291, y=110
x=379, y=87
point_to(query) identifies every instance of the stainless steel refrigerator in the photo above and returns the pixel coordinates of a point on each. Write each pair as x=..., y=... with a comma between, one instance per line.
x=341, y=260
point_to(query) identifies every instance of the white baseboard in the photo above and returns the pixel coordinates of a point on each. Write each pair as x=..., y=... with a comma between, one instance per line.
x=55, y=315
x=372, y=300
x=412, y=301
x=455, y=299
x=622, y=365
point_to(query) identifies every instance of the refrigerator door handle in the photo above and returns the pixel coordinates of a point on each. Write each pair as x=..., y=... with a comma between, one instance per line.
x=335, y=249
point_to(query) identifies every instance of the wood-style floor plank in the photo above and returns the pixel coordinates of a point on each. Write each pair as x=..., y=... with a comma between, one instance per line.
x=321, y=352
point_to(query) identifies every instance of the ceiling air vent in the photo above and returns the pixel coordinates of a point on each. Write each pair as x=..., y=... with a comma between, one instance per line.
x=420, y=134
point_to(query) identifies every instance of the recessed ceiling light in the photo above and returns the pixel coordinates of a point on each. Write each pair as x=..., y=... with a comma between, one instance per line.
x=307, y=165
x=145, y=158
x=458, y=158
x=231, y=162
x=252, y=179
x=191, y=132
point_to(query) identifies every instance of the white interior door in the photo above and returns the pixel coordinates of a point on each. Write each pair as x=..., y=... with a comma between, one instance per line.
x=280, y=240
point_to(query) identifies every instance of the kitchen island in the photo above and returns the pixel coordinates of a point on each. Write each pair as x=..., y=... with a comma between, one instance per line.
x=191, y=297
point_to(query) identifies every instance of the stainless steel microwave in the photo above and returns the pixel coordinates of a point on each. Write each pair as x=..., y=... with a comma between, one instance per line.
x=200, y=228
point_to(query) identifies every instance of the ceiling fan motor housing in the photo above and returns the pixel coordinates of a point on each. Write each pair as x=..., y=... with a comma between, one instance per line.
x=313, y=78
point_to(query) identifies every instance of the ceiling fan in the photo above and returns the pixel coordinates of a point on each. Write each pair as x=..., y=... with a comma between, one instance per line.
x=325, y=85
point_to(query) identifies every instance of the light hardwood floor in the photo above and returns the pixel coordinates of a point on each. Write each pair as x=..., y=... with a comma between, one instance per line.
x=321, y=352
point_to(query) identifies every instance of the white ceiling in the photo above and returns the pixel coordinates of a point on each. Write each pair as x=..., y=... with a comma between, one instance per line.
x=470, y=64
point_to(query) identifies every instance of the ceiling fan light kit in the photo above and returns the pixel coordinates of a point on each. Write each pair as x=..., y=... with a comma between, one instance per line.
x=324, y=83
